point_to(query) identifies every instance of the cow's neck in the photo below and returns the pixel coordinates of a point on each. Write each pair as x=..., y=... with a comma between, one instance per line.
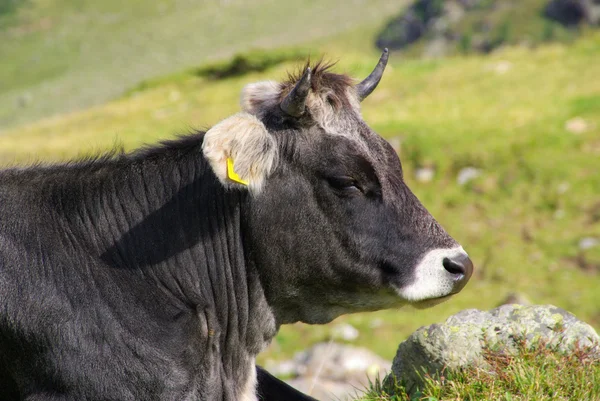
x=164, y=218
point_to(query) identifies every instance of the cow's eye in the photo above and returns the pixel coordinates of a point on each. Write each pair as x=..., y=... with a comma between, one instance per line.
x=346, y=184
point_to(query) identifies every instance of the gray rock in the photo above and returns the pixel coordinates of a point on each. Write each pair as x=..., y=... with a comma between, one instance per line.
x=459, y=342
x=588, y=243
x=577, y=125
x=24, y=100
x=428, y=18
x=467, y=174
x=437, y=47
x=424, y=174
x=563, y=188
x=345, y=331
x=502, y=67
x=325, y=390
x=573, y=12
x=331, y=371
x=339, y=362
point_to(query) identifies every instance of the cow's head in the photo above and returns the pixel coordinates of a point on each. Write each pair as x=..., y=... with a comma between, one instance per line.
x=331, y=225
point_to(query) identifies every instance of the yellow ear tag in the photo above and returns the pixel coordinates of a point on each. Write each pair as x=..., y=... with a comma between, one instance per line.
x=232, y=175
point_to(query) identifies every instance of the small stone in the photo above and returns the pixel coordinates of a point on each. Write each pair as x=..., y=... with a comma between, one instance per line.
x=331, y=371
x=588, y=243
x=424, y=174
x=285, y=368
x=323, y=389
x=174, y=95
x=467, y=174
x=563, y=187
x=576, y=125
x=345, y=332
x=502, y=67
x=436, y=48
x=24, y=100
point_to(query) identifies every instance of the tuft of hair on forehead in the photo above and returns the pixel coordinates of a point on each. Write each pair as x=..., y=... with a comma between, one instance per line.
x=326, y=84
x=330, y=93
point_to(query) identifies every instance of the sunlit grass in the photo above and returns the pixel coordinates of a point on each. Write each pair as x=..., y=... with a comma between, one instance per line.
x=64, y=55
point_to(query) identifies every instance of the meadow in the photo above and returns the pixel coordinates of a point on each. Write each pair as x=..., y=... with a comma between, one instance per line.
x=64, y=55
x=526, y=118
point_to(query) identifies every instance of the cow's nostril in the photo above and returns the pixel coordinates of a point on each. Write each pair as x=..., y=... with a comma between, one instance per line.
x=453, y=267
x=458, y=265
x=461, y=267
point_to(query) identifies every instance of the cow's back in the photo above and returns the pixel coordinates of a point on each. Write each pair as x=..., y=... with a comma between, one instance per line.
x=71, y=325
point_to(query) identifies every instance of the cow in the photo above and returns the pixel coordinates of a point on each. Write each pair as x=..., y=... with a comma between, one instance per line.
x=161, y=273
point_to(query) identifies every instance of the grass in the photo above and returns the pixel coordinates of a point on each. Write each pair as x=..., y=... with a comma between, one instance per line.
x=537, y=373
x=521, y=220
x=66, y=55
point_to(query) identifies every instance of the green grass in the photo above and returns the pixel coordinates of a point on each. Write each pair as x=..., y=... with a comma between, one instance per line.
x=537, y=373
x=521, y=220
x=65, y=55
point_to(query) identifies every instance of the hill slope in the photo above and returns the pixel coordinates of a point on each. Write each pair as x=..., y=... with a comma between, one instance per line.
x=64, y=55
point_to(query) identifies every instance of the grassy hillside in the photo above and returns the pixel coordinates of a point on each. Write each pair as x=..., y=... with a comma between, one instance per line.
x=63, y=55
x=521, y=220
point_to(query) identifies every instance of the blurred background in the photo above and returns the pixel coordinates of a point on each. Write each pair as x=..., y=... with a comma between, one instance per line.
x=493, y=105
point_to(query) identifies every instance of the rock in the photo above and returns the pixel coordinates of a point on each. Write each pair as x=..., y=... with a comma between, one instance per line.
x=593, y=11
x=573, y=12
x=331, y=371
x=460, y=341
x=174, y=95
x=325, y=390
x=576, y=125
x=442, y=27
x=345, y=332
x=563, y=187
x=437, y=47
x=559, y=214
x=24, y=100
x=588, y=243
x=566, y=12
x=283, y=369
x=467, y=174
x=338, y=362
x=402, y=31
x=502, y=67
x=434, y=19
x=424, y=174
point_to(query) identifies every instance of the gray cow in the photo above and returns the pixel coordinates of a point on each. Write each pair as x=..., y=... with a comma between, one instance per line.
x=161, y=274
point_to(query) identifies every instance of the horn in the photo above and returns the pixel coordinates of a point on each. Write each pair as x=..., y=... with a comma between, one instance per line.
x=369, y=84
x=294, y=103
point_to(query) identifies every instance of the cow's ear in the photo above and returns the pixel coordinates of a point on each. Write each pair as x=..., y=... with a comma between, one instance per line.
x=240, y=151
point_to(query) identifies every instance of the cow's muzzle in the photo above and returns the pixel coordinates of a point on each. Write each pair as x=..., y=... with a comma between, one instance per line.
x=439, y=274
